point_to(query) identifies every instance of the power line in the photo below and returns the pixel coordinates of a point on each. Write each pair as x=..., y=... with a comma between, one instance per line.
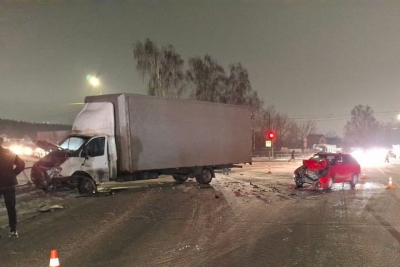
x=331, y=116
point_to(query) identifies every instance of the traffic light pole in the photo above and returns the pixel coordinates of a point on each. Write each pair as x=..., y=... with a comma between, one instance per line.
x=272, y=149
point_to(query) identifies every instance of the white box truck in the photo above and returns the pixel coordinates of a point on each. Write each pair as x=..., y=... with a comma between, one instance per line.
x=125, y=137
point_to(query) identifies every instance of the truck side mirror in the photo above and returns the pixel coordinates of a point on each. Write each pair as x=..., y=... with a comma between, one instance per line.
x=84, y=154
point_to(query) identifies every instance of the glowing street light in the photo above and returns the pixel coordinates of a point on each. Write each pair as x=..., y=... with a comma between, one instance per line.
x=94, y=81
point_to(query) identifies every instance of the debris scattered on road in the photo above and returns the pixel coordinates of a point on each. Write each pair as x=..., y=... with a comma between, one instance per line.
x=204, y=186
x=47, y=208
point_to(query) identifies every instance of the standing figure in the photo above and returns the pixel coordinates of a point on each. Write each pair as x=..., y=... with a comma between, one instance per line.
x=8, y=181
x=387, y=158
x=291, y=156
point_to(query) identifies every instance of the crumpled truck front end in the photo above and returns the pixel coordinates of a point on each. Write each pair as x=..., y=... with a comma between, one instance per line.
x=51, y=166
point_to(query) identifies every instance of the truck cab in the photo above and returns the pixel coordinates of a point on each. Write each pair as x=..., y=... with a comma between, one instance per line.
x=86, y=157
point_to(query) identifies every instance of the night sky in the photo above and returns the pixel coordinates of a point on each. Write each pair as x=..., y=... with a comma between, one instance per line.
x=310, y=59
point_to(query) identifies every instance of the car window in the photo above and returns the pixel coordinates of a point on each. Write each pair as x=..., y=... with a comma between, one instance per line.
x=336, y=159
x=331, y=159
x=352, y=160
x=346, y=159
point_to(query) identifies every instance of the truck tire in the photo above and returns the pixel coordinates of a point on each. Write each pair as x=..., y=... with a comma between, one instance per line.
x=205, y=177
x=86, y=185
x=180, y=178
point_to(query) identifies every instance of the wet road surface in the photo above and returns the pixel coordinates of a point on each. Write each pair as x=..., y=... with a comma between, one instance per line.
x=249, y=218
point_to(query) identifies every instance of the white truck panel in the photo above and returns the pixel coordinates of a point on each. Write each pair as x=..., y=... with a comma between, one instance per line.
x=159, y=133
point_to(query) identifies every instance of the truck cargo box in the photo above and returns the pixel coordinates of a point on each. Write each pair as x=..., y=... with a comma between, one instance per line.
x=159, y=133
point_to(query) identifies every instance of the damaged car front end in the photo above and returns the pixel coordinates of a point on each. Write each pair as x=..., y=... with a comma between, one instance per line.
x=314, y=171
x=324, y=169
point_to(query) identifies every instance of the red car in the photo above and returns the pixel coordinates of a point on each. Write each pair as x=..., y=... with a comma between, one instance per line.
x=324, y=169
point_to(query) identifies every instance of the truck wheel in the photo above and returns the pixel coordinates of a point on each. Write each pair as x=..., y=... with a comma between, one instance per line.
x=86, y=185
x=205, y=177
x=180, y=178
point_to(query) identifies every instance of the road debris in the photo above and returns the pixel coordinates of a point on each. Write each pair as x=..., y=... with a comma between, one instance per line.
x=202, y=186
x=48, y=208
x=237, y=192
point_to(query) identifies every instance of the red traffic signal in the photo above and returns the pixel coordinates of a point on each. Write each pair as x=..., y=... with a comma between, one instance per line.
x=271, y=135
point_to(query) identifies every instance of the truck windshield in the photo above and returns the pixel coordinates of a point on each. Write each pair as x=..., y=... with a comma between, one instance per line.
x=73, y=143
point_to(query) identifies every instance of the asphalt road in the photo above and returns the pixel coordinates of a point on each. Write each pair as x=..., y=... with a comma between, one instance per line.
x=249, y=218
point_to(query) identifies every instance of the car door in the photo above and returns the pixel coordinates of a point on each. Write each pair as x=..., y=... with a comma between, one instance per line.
x=349, y=166
x=339, y=169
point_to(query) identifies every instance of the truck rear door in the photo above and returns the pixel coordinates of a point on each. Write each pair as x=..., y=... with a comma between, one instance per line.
x=96, y=161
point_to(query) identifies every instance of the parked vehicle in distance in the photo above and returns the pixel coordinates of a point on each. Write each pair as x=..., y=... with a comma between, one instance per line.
x=324, y=169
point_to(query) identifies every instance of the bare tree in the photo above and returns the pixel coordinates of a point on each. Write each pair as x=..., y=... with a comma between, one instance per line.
x=282, y=125
x=363, y=128
x=163, y=68
x=256, y=108
x=207, y=79
x=306, y=128
x=238, y=90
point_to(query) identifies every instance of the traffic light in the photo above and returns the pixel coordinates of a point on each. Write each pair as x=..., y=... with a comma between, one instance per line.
x=271, y=135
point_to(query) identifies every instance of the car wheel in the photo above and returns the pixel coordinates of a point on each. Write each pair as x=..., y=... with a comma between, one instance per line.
x=354, y=180
x=298, y=181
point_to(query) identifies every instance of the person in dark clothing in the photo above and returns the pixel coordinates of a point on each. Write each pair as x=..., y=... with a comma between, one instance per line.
x=291, y=156
x=8, y=181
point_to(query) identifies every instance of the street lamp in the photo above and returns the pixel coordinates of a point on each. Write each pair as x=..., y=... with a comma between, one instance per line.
x=94, y=81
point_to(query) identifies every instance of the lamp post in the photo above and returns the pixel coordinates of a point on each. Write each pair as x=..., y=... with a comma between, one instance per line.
x=94, y=81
